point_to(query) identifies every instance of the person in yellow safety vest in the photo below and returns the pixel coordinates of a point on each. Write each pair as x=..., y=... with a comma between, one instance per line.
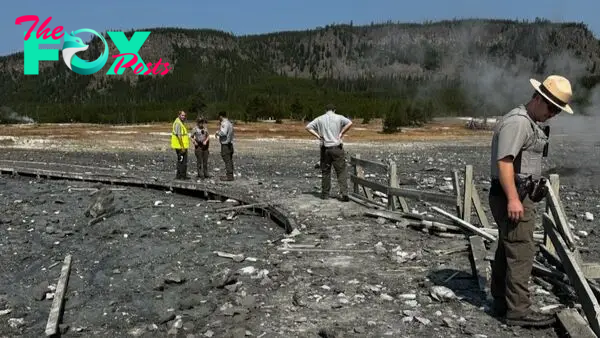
x=180, y=141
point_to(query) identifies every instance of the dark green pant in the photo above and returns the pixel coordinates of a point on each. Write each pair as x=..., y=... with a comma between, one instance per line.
x=227, y=155
x=514, y=257
x=202, y=161
x=182, y=161
x=334, y=156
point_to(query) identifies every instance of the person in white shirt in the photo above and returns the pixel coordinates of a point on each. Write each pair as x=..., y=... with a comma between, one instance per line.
x=329, y=128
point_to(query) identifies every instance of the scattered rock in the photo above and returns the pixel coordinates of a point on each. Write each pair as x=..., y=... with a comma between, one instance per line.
x=222, y=278
x=39, y=292
x=442, y=293
x=166, y=318
x=16, y=323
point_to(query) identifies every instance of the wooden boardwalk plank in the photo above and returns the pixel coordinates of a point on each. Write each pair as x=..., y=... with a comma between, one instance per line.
x=57, y=303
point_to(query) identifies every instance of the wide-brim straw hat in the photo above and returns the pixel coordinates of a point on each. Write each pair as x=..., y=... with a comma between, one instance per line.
x=556, y=89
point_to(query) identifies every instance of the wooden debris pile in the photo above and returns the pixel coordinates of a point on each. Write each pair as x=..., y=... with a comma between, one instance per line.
x=558, y=266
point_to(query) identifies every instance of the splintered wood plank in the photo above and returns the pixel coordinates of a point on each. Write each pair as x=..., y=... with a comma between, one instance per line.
x=555, y=184
x=465, y=225
x=558, y=217
x=591, y=270
x=392, y=182
x=478, y=207
x=480, y=266
x=574, y=324
x=468, y=194
x=403, y=204
x=359, y=171
x=368, y=164
x=369, y=184
x=456, y=184
x=57, y=303
x=586, y=297
x=491, y=253
x=360, y=199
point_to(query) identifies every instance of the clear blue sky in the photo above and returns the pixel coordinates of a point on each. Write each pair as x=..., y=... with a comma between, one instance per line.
x=262, y=16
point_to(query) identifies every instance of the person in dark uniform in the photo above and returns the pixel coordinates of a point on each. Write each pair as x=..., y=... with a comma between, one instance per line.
x=516, y=153
x=201, y=140
x=225, y=135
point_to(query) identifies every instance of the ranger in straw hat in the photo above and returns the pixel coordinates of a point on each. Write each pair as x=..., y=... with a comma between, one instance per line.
x=516, y=154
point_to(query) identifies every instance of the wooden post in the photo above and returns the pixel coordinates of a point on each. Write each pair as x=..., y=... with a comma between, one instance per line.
x=358, y=172
x=392, y=182
x=459, y=203
x=466, y=216
x=393, y=200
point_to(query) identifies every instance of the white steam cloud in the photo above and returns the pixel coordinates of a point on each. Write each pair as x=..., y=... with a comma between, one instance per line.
x=7, y=115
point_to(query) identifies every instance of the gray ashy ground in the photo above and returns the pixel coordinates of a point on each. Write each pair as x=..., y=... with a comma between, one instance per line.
x=152, y=271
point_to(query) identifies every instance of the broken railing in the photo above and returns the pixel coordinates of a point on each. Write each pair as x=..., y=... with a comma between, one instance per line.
x=393, y=195
x=559, y=265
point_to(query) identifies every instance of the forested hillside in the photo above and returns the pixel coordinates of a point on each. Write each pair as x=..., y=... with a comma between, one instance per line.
x=404, y=72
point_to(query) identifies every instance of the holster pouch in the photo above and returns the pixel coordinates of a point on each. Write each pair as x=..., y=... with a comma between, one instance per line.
x=535, y=189
x=524, y=186
x=539, y=191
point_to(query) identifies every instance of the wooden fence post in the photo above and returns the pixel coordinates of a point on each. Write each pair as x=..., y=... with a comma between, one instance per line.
x=392, y=182
x=459, y=203
x=468, y=194
x=393, y=201
x=358, y=172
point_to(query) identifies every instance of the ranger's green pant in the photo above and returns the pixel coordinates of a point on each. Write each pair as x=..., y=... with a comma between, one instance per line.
x=202, y=161
x=227, y=155
x=333, y=156
x=513, y=262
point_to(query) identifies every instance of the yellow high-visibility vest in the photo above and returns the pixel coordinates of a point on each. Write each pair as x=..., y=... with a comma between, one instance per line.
x=185, y=138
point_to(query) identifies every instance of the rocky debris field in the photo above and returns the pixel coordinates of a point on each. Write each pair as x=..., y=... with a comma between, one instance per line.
x=154, y=269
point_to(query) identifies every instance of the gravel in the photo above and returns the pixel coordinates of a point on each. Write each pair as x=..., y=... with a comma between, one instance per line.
x=154, y=270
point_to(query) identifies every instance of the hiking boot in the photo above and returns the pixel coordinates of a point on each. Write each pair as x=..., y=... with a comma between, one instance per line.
x=345, y=198
x=226, y=178
x=532, y=319
x=324, y=196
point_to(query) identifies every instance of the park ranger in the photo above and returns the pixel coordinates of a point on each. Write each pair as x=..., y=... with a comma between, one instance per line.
x=329, y=128
x=225, y=135
x=516, y=158
x=180, y=141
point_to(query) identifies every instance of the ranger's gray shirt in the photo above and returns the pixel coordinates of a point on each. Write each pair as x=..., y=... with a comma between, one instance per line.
x=226, y=132
x=514, y=133
x=329, y=126
x=198, y=135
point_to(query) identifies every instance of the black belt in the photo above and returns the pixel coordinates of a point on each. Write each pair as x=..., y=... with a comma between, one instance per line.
x=332, y=147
